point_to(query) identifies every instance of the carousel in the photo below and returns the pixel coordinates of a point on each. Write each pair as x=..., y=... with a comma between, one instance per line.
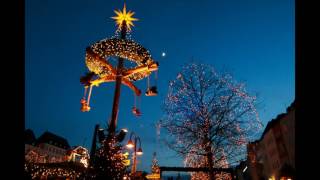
x=98, y=61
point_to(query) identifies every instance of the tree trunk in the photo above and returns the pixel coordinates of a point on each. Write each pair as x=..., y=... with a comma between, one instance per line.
x=209, y=158
x=210, y=163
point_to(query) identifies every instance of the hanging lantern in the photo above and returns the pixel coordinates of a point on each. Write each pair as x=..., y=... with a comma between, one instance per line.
x=152, y=91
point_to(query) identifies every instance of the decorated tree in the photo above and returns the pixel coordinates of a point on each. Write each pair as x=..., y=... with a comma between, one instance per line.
x=208, y=117
x=109, y=160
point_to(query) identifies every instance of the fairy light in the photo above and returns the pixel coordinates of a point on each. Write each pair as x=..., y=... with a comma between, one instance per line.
x=98, y=53
x=38, y=171
x=198, y=102
x=111, y=159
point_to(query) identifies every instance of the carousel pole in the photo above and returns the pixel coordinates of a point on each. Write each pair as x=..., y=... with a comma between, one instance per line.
x=116, y=98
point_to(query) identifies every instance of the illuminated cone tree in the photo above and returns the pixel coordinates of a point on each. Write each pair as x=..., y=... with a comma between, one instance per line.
x=155, y=166
x=208, y=117
x=110, y=160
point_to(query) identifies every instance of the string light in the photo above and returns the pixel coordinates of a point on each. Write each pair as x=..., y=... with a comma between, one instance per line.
x=124, y=48
x=110, y=160
x=201, y=103
x=38, y=171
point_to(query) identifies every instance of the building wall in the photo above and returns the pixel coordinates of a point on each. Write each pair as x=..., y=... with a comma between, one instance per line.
x=254, y=160
x=277, y=146
x=267, y=157
x=288, y=129
x=50, y=152
x=271, y=154
x=28, y=147
x=54, y=153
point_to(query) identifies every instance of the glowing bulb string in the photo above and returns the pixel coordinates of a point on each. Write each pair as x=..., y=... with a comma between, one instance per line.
x=85, y=92
x=135, y=100
x=156, y=76
x=89, y=94
x=148, y=82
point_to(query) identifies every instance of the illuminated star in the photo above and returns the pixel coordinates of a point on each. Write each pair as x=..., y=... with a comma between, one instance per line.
x=163, y=54
x=124, y=16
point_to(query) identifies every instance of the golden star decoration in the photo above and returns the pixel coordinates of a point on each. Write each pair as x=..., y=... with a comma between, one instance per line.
x=124, y=16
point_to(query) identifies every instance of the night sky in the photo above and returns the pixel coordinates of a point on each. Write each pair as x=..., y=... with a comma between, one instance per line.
x=253, y=39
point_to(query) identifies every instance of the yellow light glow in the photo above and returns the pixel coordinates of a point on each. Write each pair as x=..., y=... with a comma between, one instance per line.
x=272, y=178
x=130, y=146
x=153, y=176
x=124, y=16
x=126, y=162
x=126, y=154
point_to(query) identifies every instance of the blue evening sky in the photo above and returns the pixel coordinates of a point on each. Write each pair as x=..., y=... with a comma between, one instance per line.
x=254, y=39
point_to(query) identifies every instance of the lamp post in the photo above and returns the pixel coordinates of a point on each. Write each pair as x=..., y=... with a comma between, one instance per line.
x=133, y=144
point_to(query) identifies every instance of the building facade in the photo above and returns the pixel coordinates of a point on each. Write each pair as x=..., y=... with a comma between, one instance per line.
x=48, y=148
x=272, y=157
x=278, y=144
x=78, y=154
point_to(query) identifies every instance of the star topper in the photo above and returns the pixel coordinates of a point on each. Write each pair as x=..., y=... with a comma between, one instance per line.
x=124, y=16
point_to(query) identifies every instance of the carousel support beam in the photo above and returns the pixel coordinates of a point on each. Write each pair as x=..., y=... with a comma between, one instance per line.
x=111, y=78
x=131, y=86
x=150, y=68
x=98, y=81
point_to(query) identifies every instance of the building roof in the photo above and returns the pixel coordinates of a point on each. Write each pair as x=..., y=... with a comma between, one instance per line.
x=292, y=106
x=29, y=137
x=50, y=138
x=278, y=118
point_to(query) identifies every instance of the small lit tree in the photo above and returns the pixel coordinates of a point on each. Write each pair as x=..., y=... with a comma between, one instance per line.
x=155, y=166
x=109, y=160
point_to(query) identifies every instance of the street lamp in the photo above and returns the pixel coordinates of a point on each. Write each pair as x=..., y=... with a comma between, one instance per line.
x=130, y=144
x=139, y=152
x=133, y=144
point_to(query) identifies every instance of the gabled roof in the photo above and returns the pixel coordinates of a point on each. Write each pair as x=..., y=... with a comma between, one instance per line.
x=29, y=137
x=50, y=138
